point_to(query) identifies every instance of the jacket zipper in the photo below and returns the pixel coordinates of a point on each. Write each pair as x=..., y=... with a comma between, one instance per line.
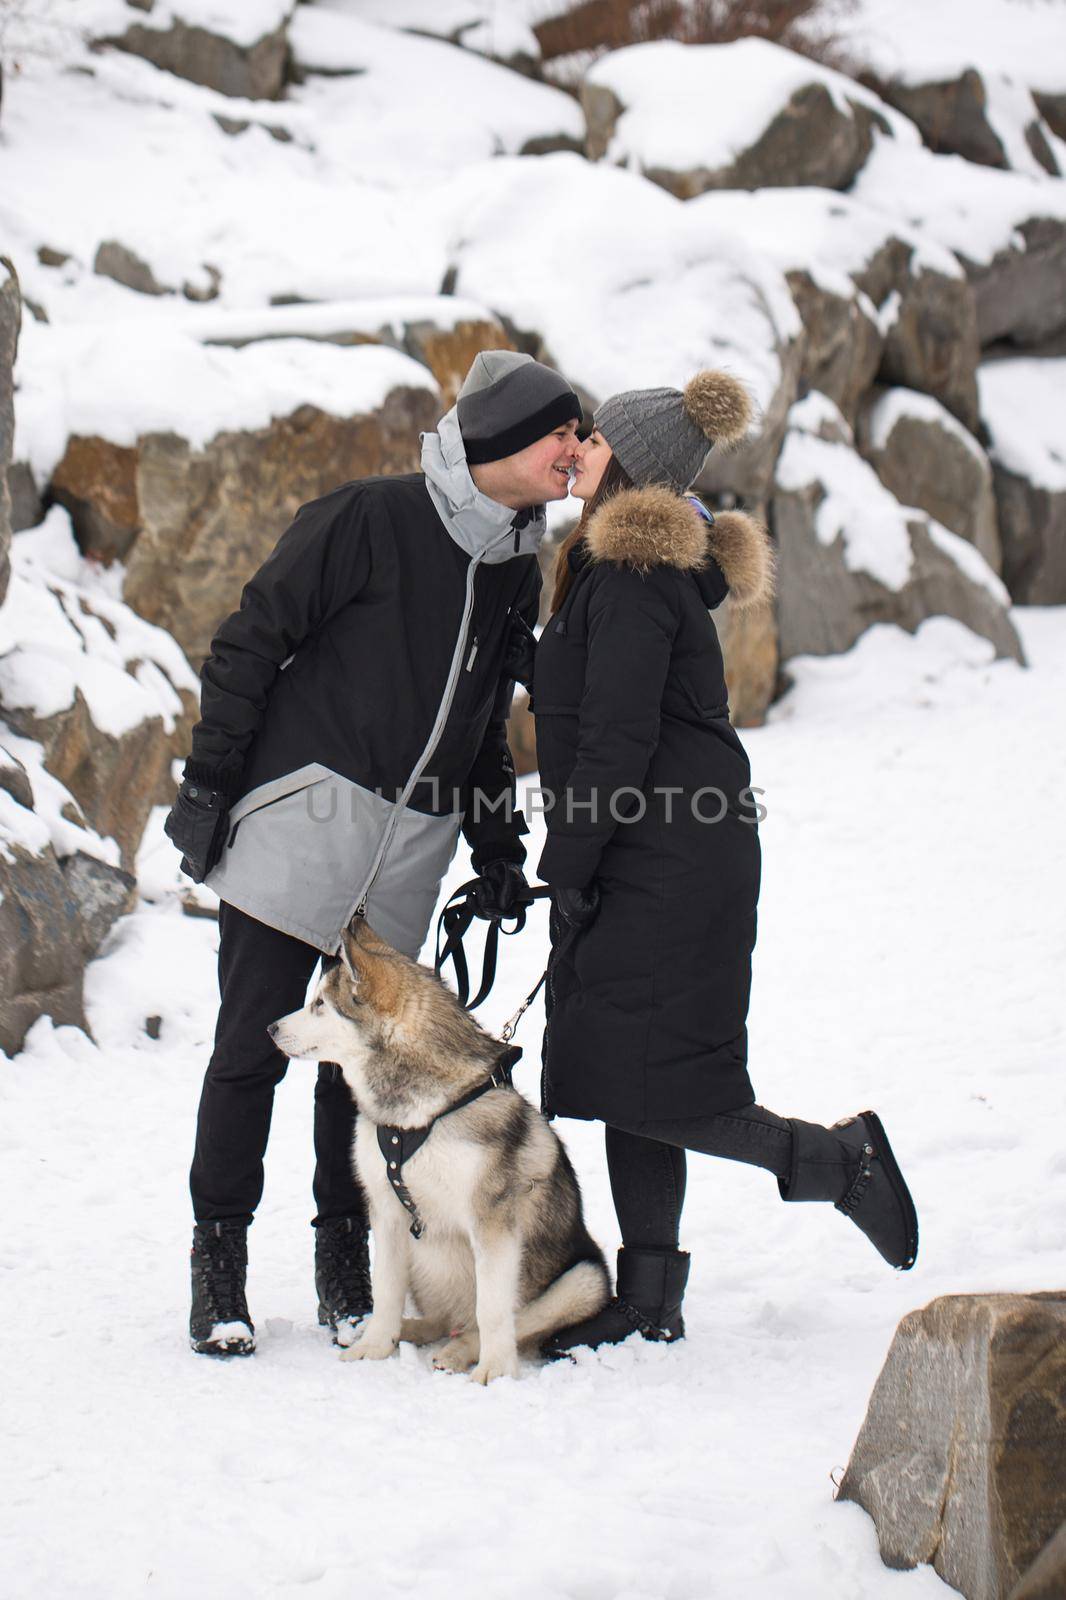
x=471, y=657
x=443, y=710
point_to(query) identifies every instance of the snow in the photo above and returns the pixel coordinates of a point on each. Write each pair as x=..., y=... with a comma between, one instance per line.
x=646, y=296
x=61, y=633
x=916, y=42
x=855, y=505
x=1021, y=406
x=831, y=236
x=495, y=27
x=121, y=383
x=245, y=22
x=700, y=1470
x=895, y=405
x=700, y=106
x=972, y=210
x=390, y=315
x=969, y=560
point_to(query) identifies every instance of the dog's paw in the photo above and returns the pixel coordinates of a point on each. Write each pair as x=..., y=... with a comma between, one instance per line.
x=371, y=1347
x=458, y=1354
x=490, y=1367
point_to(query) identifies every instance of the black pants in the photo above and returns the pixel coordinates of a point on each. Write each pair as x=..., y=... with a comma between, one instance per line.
x=262, y=975
x=648, y=1170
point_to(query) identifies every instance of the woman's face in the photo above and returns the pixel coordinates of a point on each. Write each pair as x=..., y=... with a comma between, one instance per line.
x=590, y=464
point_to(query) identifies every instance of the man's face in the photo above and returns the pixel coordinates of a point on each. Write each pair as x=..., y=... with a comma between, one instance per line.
x=541, y=471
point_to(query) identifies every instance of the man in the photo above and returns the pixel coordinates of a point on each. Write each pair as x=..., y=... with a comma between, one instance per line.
x=353, y=719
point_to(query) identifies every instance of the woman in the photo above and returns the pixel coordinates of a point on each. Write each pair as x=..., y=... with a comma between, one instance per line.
x=653, y=857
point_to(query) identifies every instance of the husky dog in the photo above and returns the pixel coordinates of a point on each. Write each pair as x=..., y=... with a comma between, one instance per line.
x=500, y=1256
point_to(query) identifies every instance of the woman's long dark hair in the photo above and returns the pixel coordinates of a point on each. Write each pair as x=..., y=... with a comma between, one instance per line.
x=614, y=480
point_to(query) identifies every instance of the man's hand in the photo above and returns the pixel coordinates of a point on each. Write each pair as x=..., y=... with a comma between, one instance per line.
x=520, y=652
x=197, y=825
x=577, y=907
x=498, y=889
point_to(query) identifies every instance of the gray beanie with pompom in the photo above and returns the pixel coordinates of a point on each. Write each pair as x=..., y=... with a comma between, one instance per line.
x=663, y=435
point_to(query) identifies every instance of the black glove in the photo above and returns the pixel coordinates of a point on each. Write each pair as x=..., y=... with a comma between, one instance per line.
x=577, y=907
x=520, y=652
x=498, y=889
x=198, y=824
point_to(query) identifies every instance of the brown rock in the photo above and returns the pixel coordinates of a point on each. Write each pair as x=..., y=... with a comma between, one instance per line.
x=1021, y=292
x=925, y=457
x=26, y=507
x=952, y=115
x=448, y=352
x=10, y=320
x=1052, y=108
x=41, y=950
x=750, y=650
x=197, y=523
x=961, y=1461
x=1046, y=1578
x=522, y=736
x=247, y=72
x=101, y=893
x=115, y=260
x=746, y=472
x=843, y=347
x=1032, y=521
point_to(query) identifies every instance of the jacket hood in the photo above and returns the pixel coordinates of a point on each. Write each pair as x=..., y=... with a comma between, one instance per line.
x=476, y=523
x=654, y=527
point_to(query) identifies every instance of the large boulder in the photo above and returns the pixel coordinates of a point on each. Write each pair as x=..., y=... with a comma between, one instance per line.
x=245, y=55
x=10, y=318
x=1046, y=1578
x=961, y=1461
x=1006, y=228
x=926, y=458
x=851, y=555
x=211, y=453
x=105, y=698
x=875, y=296
x=653, y=293
x=986, y=119
x=1021, y=408
x=730, y=116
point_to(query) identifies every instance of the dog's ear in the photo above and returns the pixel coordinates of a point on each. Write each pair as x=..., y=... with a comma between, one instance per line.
x=374, y=965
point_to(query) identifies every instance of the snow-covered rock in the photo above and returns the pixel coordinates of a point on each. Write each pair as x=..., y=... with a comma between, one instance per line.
x=1022, y=411
x=647, y=294
x=731, y=116
x=927, y=458
x=10, y=321
x=397, y=106
x=987, y=119
x=238, y=47
x=501, y=29
x=187, y=461
x=875, y=295
x=851, y=554
x=1007, y=229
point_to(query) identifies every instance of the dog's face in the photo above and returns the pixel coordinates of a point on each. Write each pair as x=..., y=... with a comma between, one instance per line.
x=358, y=992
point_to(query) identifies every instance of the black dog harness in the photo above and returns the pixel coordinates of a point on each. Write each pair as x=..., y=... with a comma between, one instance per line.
x=398, y=1145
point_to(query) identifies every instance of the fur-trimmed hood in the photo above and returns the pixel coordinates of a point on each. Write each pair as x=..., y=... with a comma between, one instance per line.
x=654, y=527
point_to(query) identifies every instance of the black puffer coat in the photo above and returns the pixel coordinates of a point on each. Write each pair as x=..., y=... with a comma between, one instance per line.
x=648, y=1006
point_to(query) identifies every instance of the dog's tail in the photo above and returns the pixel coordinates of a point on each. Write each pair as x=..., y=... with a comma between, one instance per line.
x=575, y=1295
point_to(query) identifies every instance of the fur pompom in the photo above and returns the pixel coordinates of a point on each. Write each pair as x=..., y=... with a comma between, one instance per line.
x=720, y=405
x=742, y=548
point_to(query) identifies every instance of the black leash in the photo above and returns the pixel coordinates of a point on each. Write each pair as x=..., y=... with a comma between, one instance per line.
x=453, y=925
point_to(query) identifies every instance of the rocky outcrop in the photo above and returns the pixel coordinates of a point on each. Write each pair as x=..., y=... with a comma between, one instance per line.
x=248, y=71
x=750, y=652
x=1046, y=1578
x=844, y=345
x=820, y=133
x=953, y=116
x=851, y=555
x=1021, y=406
x=1021, y=290
x=10, y=318
x=961, y=1461
x=926, y=458
x=192, y=525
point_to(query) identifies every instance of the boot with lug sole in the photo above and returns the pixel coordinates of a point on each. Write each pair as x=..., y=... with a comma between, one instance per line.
x=342, y=1276
x=852, y=1165
x=219, y=1324
x=650, y=1287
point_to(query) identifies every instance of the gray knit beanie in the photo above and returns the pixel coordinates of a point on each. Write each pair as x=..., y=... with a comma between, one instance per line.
x=508, y=401
x=663, y=435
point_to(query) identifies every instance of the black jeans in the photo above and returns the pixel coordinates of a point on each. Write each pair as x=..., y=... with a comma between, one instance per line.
x=647, y=1166
x=262, y=975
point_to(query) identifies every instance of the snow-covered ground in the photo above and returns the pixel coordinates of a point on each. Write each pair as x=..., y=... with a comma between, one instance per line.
x=911, y=951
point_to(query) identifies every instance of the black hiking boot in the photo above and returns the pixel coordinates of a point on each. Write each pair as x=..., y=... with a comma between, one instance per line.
x=852, y=1164
x=219, y=1324
x=650, y=1289
x=342, y=1276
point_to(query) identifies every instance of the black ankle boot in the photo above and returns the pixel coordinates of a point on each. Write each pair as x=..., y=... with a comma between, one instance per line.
x=852, y=1165
x=219, y=1324
x=342, y=1276
x=650, y=1289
